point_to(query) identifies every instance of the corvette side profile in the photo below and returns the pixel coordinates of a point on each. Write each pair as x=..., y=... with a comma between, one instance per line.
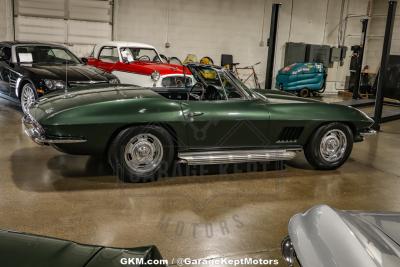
x=218, y=120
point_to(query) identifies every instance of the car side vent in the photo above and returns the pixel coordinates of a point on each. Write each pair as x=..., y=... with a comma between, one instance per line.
x=290, y=135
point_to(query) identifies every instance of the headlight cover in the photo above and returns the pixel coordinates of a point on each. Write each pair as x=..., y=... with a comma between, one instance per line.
x=114, y=81
x=54, y=84
x=155, y=76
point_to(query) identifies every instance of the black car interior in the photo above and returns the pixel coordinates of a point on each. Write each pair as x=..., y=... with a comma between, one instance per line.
x=5, y=53
x=195, y=93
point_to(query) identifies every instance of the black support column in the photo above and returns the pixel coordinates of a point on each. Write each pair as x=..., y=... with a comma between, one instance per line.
x=356, y=94
x=387, y=43
x=271, y=45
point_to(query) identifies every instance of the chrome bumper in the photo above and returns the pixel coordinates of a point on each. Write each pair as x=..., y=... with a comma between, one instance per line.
x=288, y=253
x=37, y=134
x=368, y=132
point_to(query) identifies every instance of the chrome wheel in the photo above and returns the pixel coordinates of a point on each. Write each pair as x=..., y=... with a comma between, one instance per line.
x=143, y=153
x=333, y=145
x=28, y=97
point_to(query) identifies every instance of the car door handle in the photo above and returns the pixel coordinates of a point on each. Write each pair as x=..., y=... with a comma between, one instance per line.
x=194, y=114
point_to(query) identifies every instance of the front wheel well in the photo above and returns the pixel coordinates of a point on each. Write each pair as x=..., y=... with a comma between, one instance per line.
x=165, y=126
x=347, y=123
x=21, y=85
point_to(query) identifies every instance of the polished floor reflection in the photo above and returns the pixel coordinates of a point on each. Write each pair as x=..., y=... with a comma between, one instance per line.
x=198, y=212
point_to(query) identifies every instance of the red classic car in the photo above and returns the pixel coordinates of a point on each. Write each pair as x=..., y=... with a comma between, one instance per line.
x=138, y=64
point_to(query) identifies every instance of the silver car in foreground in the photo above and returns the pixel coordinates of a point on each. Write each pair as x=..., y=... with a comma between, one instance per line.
x=326, y=237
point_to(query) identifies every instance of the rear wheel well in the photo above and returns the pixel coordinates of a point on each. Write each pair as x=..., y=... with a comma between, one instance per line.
x=165, y=126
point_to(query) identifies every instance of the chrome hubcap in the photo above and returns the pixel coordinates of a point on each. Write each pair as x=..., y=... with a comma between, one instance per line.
x=27, y=97
x=143, y=153
x=333, y=145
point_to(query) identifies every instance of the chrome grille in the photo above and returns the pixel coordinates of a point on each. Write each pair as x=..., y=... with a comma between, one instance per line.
x=85, y=83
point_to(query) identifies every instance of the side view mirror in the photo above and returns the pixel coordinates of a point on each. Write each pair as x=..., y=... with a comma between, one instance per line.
x=84, y=60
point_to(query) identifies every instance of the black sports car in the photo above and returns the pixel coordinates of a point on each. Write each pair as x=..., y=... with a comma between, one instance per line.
x=29, y=70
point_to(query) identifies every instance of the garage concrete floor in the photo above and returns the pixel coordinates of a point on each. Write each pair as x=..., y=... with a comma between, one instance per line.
x=241, y=214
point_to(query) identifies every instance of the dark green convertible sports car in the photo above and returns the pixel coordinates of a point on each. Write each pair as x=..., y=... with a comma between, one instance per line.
x=143, y=131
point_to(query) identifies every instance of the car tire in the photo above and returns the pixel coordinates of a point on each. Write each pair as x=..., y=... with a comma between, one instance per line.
x=141, y=154
x=28, y=96
x=304, y=92
x=330, y=146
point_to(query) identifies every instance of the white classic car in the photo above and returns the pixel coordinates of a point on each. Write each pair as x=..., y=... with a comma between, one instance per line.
x=138, y=64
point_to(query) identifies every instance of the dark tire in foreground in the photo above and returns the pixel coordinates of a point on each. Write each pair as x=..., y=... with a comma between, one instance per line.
x=330, y=146
x=141, y=154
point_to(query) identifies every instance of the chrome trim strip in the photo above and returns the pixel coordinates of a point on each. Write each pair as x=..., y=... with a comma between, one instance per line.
x=368, y=133
x=237, y=156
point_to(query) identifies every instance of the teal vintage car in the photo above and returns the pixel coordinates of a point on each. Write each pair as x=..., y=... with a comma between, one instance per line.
x=218, y=120
x=23, y=250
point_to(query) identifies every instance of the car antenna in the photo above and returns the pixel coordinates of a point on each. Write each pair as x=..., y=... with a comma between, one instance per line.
x=66, y=78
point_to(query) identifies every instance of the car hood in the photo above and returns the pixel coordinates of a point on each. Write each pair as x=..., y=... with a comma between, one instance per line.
x=323, y=236
x=72, y=72
x=147, y=68
x=56, y=102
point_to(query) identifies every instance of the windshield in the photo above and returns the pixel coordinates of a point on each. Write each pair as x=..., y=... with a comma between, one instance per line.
x=241, y=84
x=130, y=54
x=223, y=80
x=45, y=55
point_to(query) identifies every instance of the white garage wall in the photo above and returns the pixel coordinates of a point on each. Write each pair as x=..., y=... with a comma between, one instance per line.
x=354, y=11
x=6, y=23
x=205, y=28
x=213, y=27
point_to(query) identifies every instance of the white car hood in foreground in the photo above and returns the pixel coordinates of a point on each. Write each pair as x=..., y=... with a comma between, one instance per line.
x=326, y=237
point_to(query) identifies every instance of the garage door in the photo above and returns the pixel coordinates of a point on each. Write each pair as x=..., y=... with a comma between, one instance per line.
x=78, y=23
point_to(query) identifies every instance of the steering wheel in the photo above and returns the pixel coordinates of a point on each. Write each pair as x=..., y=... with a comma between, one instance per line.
x=143, y=58
x=195, y=96
x=160, y=58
